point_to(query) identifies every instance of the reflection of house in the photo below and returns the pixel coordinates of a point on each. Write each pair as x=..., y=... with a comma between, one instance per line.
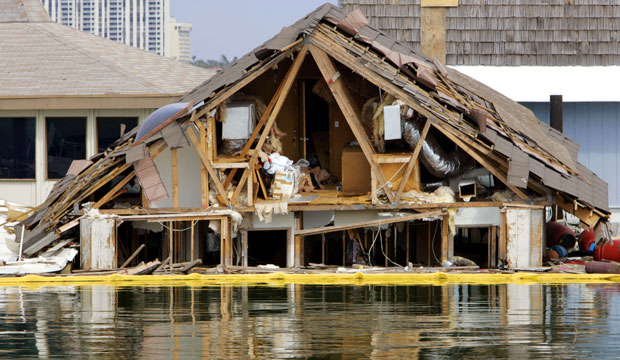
x=64, y=95
x=328, y=80
x=529, y=51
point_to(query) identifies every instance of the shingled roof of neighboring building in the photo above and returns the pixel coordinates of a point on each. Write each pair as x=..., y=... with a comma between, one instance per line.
x=510, y=32
x=39, y=57
x=521, y=133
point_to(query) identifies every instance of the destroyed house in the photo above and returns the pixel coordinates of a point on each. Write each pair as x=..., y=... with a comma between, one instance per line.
x=329, y=144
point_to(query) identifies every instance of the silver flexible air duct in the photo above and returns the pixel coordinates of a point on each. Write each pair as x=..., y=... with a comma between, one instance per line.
x=434, y=158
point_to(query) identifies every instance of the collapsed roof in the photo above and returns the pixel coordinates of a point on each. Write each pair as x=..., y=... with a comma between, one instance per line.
x=503, y=136
x=512, y=132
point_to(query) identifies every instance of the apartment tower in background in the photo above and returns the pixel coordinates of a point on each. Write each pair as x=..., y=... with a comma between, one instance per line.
x=179, y=40
x=140, y=23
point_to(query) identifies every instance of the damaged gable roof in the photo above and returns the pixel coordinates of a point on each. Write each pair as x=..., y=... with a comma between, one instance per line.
x=528, y=145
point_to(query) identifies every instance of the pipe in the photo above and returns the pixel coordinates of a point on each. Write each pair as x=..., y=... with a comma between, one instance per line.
x=434, y=158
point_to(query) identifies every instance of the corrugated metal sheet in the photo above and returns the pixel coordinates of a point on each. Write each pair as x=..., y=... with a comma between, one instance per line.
x=596, y=127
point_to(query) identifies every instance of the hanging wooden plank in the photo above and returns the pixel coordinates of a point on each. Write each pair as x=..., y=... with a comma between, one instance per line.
x=345, y=102
x=221, y=196
x=413, y=161
x=287, y=83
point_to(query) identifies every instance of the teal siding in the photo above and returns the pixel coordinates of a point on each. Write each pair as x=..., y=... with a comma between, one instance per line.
x=596, y=127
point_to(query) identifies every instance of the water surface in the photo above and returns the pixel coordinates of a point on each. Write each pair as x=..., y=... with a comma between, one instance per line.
x=309, y=321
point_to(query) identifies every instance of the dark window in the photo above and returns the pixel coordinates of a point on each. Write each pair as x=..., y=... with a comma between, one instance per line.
x=66, y=141
x=17, y=148
x=109, y=129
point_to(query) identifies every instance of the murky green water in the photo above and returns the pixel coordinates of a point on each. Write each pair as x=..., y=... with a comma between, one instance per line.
x=301, y=321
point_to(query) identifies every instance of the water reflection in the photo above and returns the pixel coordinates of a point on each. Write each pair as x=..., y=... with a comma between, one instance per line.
x=297, y=321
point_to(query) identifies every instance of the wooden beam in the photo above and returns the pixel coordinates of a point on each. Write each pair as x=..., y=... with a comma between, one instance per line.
x=287, y=83
x=344, y=100
x=135, y=253
x=114, y=190
x=492, y=168
x=412, y=162
x=175, y=177
x=204, y=175
x=222, y=196
x=391, y=220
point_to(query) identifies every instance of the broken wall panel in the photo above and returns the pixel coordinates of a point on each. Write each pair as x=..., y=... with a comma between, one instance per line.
x=150, y=180
x=524, y=237
x=189, y=180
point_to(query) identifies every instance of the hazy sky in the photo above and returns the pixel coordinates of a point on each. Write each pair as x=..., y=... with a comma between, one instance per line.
x=234, y=27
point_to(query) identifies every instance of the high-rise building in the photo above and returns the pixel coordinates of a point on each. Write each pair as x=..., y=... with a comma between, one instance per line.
x=139, y=23
x=179, y=40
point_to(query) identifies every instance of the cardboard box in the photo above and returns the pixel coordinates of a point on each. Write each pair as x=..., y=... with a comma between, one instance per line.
x=355, y=171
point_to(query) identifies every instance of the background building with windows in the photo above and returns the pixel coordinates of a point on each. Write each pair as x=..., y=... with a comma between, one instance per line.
x=179, y=35
x=64, y=94
x=139, y=23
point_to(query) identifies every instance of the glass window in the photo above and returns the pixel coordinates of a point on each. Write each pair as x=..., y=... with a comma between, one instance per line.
x=17, y=143
x=66, y=141
x=109, y=129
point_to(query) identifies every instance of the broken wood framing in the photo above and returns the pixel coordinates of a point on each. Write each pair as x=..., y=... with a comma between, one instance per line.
x=412, y=162
x=322, y=42
x=287, y=83
x=222, y=196
x=345, y=102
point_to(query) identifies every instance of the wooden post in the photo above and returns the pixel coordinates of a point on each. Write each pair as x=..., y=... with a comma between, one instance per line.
x=222, y=195
x=175, y=178
x=244, y=248
x=225, y=242
x=323, y=248
x=204, y=175
x=386, y=249
x=408, y=240
x=192, y=241
x=503, y=234
x=299, y=243
x=345, y=102
x=493, y=245
x=344, y=248
x=170, y=241
x=446, y=238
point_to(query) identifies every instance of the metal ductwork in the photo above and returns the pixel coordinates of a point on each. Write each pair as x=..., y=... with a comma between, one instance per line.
x=435, y=159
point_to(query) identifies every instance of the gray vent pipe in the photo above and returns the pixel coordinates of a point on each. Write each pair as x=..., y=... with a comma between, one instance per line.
x=434, y=158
